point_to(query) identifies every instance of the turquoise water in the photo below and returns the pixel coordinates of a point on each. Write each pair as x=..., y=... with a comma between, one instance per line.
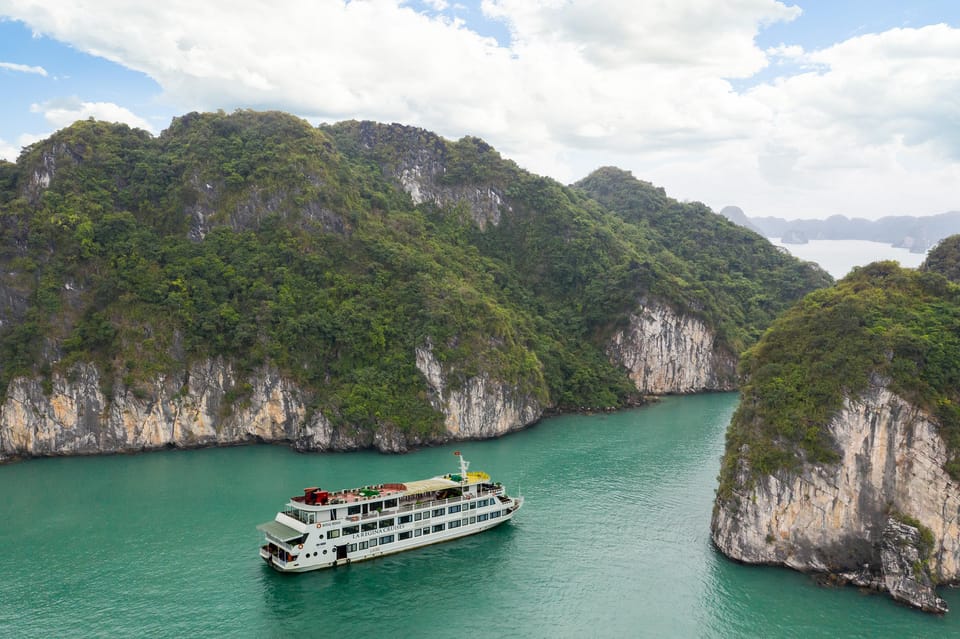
x=612, y=542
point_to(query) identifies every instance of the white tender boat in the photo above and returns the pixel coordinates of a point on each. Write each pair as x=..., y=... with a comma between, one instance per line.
x=321, y=529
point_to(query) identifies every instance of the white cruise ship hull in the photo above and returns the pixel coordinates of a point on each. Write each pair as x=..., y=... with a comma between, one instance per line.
x=361, y=524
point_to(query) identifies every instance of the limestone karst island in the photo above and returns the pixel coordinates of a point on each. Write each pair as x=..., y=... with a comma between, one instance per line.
x=249, y=277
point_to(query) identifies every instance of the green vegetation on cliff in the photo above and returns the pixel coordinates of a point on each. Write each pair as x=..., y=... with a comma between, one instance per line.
x=259, y=239
x=944, y=258
x=741, y=279
x=893, y=324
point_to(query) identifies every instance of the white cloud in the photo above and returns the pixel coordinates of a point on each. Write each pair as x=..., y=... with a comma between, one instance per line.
x=63, y=112
x=786, y=52
x=699, y=35
x=23, y=68
x=868, y=126
x=10, y=152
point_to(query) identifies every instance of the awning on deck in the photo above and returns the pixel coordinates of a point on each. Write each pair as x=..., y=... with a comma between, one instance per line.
x=428, y=485
x=279, y=531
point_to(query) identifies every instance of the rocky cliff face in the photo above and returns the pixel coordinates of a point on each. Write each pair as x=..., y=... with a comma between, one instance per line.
x=482, y=409
x=419, y=169
x=863, y=519
x=200, y=408
x=666, y=352
x=192, y=410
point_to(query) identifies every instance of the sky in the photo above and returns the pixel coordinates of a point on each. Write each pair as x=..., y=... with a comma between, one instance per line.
x=798, y=109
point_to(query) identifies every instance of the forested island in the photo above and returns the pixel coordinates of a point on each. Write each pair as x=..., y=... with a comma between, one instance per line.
x=843, y=457
x=248, y=276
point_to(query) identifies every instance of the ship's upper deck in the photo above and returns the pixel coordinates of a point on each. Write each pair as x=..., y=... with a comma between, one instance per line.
x=319, y=499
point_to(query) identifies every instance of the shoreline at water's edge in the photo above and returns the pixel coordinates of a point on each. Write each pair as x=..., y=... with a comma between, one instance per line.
x=831, y=579
x=640, y=402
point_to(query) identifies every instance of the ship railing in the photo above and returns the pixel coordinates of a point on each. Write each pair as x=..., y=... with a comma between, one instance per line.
x=450, y=500
x=433, y=503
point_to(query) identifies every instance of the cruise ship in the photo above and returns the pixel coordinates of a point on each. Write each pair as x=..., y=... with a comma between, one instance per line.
x=321, y=529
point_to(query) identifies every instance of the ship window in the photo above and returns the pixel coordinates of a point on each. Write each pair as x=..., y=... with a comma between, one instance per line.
x=426, y=514
x=333, y=534
x=370, y=525
x=453, y=524
x=473, y=520
x=353, y=548
x=373, y=543
x=464, y=521
x=482, y=517
x=353, y=510
x=405, y=535
x=426, y=531
x=417, y=532
x=363, y=545
x=406, y=519
x=386, y=523
x=390, y=503
x=453, y=509
x=438, y=512
x=438, y=527
x=473, y=505
x=351, y=530
x=417, y=516
x=386, y=539
x=495, y=513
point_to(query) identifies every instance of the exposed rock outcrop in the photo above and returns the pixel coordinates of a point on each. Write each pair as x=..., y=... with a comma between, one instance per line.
x=43, y=172
x=193, y=409
x=666, y=352
x=838, y=518
x=906, y=575
x=482, y=408
x=212, y=405
x=420, y=167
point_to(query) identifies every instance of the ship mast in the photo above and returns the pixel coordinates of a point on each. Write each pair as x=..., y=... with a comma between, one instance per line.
x=464, y=465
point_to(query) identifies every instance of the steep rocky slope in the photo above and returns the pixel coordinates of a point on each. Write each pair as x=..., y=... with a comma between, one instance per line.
x=842, y=458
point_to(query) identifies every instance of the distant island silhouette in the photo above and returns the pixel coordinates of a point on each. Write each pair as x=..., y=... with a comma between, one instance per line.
x=917, y=234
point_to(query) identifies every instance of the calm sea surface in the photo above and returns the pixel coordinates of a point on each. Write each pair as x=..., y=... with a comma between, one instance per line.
x=837, y=257
x=613, y=542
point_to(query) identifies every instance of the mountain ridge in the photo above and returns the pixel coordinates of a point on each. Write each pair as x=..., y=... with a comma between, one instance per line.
x=304, y=269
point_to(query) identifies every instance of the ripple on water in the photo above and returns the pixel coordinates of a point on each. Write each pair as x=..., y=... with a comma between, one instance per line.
x=613, y=542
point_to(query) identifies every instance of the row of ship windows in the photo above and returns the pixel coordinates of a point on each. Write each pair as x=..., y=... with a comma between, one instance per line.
x=392, y=503
x=389, y=539
x=406, y=519
x=310, y=517
x=386, y=523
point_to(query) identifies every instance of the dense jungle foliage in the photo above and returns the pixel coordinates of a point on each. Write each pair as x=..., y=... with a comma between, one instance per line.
x=944, y=258
x=259, y=239
x=743, y=278
x=884, y=322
